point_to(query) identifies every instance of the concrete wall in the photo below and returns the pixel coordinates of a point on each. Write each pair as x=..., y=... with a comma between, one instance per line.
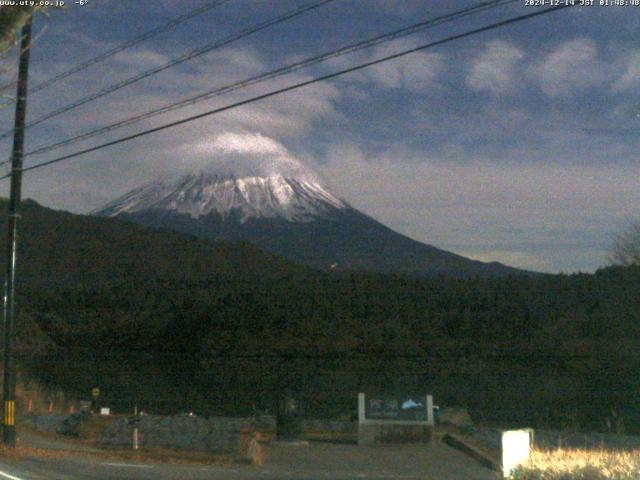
x=380, y=433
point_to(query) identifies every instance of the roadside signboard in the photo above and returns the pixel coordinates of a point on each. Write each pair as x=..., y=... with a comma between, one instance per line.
x=394, y=419
x=406, y=408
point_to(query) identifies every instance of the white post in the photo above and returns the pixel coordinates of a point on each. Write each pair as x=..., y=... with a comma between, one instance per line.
x=361, y=407
x=516, y=445
x=135, y=429
x=430, y=409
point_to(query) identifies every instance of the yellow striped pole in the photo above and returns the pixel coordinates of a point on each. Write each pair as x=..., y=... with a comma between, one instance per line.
x=9, y=419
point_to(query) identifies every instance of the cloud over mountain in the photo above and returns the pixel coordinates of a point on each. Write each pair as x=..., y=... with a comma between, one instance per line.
x=245, y=154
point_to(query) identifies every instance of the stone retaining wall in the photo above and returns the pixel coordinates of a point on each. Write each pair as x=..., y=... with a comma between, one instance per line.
x=322, y=426
x=185, y=432
x=48, y=423
x=182, y=432
x=214, y=434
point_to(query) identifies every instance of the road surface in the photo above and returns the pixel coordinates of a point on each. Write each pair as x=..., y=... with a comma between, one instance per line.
x=316, y=461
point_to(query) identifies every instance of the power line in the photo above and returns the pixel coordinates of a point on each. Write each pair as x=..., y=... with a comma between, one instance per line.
x=296, y=86
x=183, y=58
x=432, y=22
x=128, y=44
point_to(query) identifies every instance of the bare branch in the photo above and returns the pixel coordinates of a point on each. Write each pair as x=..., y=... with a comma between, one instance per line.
x=11, y=21
x=625, y=249
x=10, y=65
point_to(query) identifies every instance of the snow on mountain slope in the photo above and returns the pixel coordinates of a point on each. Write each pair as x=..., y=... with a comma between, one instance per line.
x=249, y=188
x=202, y=194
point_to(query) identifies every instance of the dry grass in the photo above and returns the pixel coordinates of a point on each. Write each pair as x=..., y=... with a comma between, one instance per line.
x=580, y=465
x=147, y=455
x=165, y=455
x=250, y=448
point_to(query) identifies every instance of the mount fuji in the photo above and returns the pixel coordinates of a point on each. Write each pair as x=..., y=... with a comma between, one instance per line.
x=293, y=216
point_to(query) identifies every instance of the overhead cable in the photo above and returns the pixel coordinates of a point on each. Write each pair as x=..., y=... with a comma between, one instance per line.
x=284, y=70
x=183, y=58
x=299, y=85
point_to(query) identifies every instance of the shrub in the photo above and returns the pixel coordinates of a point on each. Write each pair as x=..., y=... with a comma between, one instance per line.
x=580, y=465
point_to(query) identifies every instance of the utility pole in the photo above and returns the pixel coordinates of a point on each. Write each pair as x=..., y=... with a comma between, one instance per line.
x=9, y=386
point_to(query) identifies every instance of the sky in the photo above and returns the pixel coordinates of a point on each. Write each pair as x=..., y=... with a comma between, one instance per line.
x=518, y=145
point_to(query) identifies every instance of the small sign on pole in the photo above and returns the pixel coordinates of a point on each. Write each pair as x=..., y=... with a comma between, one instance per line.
x=134, y=422
x=95, y=394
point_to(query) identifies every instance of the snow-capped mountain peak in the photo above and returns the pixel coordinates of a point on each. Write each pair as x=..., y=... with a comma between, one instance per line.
x=282, y=208
x=226, y=195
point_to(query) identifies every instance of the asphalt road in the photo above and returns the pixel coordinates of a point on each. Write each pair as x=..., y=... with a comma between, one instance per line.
x=316, y=461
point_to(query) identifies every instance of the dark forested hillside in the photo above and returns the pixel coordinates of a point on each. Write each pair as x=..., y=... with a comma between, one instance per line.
x=176, y=323
x=348, y=240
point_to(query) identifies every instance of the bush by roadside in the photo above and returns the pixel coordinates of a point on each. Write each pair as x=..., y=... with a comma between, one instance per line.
x=580, y=465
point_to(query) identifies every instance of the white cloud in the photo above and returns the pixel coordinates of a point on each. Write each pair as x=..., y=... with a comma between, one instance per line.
x=141, y=59
x=415, y=72
x=287, y=115
x=244, y=154
x=280, y=117
x=495, y=69
x=573, y=67
x=252, y=143
x=630, y=78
